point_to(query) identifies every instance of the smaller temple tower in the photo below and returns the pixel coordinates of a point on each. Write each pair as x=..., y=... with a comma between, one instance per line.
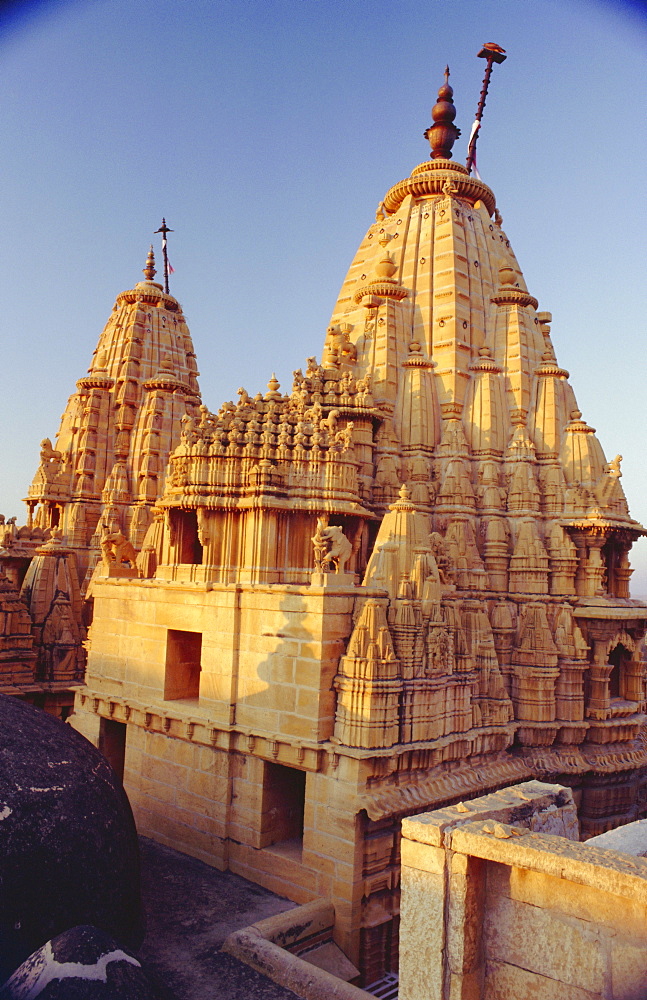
x=107, y=466
x=94, y=489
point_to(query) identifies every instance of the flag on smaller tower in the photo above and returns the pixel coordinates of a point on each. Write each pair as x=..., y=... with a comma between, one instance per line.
x=164, y=229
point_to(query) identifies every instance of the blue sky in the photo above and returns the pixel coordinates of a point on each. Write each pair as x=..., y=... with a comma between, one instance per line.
x=267, y=133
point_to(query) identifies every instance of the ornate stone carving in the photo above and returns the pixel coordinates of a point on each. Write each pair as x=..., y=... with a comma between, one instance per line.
x=116, y=549
x=331, y=547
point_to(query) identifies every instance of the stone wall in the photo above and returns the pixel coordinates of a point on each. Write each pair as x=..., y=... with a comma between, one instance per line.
x=498, y=904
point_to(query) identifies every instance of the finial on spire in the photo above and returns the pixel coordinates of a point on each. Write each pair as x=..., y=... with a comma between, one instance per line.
x=164, y=229
x=494, y=54
x=443, y=133
x=150, y=270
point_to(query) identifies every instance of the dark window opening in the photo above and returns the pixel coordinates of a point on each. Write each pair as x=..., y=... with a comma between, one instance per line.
x=189, y=549
x=183, y=664
x=618, y=657
x=112, y=744
x=284, y=797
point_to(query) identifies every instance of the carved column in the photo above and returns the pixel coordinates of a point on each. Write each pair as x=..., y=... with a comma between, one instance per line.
x=599, y=702
x=569, y=690
x=534, y=693
x=503, y=624
x=622, y=574
x=562, y=555
x=634, y=680
x=590, y=569
x=496, y=555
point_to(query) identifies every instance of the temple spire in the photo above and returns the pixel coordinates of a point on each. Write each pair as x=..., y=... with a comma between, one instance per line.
x=443, y=133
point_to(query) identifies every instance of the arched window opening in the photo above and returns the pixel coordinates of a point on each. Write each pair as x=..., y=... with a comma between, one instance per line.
x=189, y=549
x=619, y=657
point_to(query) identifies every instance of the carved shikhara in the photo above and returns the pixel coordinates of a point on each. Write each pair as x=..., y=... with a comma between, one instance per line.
x=118, y=428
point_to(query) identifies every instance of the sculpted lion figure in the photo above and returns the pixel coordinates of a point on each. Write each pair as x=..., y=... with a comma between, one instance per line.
x=115, y=548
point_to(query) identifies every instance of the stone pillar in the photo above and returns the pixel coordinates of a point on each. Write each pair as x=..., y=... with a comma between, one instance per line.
x=496, y=555
x=503, y=624
x=442, y=914
x=562, y=573
x=533, y=692
x=598, y=706
x=634, y=681
x=569, y=690
x=596, y=566
x=622, y=575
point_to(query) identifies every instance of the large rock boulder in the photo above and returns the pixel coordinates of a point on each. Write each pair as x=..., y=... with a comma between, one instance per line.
x=82, y=964
x=68, y=846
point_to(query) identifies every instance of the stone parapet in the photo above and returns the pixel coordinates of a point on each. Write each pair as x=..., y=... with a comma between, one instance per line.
x=296, y=950
x=499, y=900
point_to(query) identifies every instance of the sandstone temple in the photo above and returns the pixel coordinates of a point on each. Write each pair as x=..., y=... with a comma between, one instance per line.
x=400, y=582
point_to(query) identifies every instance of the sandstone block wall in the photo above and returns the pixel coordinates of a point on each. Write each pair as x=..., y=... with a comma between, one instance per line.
x=492, y=910
x=267, y=658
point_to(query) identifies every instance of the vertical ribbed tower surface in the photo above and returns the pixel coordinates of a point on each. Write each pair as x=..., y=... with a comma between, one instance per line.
x=120, y=425
x=478, y=417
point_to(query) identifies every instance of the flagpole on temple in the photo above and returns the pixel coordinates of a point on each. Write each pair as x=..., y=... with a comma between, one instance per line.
x=494, y=54
x=164, y=229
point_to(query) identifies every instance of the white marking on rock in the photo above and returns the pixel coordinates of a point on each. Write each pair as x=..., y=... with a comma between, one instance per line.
x=52, y=788
x=5, y=811
x=48, y=969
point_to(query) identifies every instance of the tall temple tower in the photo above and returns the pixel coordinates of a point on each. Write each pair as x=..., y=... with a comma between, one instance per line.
x=107, y=467
x=96, y=487
x=396, y=586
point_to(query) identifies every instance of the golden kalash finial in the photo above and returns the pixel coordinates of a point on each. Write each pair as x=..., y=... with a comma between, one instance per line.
x=149, y=270
x=443, y=133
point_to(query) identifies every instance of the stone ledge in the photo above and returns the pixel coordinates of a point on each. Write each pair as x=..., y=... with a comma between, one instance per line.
x=255, y=945
x=602, y=869
x=628, y=839
x=515, y=804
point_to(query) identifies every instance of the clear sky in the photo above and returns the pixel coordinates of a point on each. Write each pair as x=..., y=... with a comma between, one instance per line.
x=267, y=131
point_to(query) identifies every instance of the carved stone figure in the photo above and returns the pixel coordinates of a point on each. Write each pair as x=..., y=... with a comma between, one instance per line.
x=331, y=547
x=441, y=555
x=115, y=548
x=387, y=472
x=50, y=460
x=438, y=647
x=189, y=430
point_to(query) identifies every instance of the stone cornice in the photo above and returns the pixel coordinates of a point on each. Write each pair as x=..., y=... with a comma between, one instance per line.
x=485, y=364
x=151, y=293
x=547, y=368
x=384, y=289
x=429, y=178
x=514, y=297
x=168, y=382
x=94, y=381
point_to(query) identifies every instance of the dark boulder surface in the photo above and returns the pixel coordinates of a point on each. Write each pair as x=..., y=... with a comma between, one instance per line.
x=68, y=847
x=82, y=964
